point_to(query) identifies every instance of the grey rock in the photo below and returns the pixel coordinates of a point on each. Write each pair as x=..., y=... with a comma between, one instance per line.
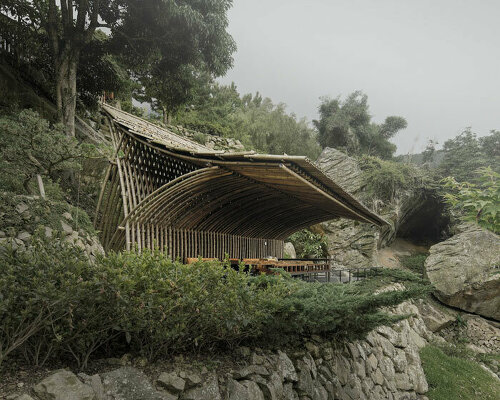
x=191, y=378
x=256, y=359
x=305, y=383
x=273, y=388
x=399, y=361
x=435, y=318
x=97, y=387
x=128, y=383
x=21, y=207
x=24, y=236
x=403, y=381
x=63, y=385
x=289, y=250
x=68, y=216
x=289, y=393
x=464, y=271
x=67, y=229
x=24, y=397
x=320, y=393
x=208, y=391
x=171, y=382
x=253, y=390
x=251, y=370
x=285, y=365
x=245, y=390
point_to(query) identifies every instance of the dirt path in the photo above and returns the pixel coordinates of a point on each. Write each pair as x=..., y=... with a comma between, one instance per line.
x=389, y=256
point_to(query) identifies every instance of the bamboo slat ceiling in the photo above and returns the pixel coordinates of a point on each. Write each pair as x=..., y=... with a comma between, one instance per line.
x=169, y=180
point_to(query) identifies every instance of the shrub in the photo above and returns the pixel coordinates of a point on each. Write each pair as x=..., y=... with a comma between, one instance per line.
x=168, y=306
x=55, y=304
x=344, y=311
x=39, y=290
x=200, y=138
x=309, y=244
x=386, y=178
x=479, y=203
x=414, y=262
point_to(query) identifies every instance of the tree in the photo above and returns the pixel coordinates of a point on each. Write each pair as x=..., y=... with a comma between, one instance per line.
x=429, y=153
x=347, y=125
x=167, y=93
x=145, y=32
x=462, y=156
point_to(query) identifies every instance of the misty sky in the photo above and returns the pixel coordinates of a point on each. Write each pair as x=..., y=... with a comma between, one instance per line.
x=434, y=62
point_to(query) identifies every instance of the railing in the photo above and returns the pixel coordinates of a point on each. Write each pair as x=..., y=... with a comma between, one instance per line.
x=322, y=270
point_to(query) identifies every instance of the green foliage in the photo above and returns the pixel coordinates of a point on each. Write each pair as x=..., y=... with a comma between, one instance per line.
x=414, y=262
x=200, y=138
x=347, y=125
x=154, y=40
x=465, y=154
x=453, y=378
x=256, y=122
x=40, y=212
x=342, y=310
x=56, y=305
x=385, y=178
x=309, y=244
x=32, y=146
x=39, y=291
x=479, y=202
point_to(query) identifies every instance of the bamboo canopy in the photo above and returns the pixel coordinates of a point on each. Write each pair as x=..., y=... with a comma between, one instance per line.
x=166, y=191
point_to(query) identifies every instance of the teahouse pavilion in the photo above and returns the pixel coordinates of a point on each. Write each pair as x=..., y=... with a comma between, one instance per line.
x=163, y=190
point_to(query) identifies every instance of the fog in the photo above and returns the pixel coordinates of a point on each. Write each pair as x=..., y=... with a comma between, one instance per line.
x=436, y=63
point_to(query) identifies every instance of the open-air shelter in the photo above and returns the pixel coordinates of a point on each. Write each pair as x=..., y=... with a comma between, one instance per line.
x=163, y=190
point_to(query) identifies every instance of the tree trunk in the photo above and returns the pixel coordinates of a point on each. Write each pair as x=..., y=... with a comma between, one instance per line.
x=167, y=117
x=66, y=67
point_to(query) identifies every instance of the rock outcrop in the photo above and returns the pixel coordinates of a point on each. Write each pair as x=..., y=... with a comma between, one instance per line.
x=412, y=213
x=349, y=242
x=465, y=271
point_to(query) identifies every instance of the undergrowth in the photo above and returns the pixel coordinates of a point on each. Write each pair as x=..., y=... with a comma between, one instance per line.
x=455, y=378
x=414, y=262
x=55, y=305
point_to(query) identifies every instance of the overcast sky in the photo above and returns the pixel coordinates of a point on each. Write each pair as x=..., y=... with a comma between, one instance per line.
x=434, y=62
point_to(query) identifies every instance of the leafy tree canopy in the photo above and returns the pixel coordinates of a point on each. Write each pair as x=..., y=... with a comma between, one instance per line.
x=466, y=153
x=152, y=38
x=347, y=125
x=256, y=121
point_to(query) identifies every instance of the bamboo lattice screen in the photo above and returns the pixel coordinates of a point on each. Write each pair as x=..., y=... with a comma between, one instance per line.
x=165, y=191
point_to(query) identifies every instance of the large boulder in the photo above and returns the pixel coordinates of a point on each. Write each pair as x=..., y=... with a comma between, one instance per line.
x=464, y=271
x=62, y=385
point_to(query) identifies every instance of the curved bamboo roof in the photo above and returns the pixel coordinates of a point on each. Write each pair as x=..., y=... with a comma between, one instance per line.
x=242, y=193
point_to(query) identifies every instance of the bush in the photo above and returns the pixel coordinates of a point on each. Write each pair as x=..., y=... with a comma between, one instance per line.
x=479, y=203
x=309, y=244
x=54, y=304
x=414, y=262
x=386, y=178
x=39, y=292
x=344, y=311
